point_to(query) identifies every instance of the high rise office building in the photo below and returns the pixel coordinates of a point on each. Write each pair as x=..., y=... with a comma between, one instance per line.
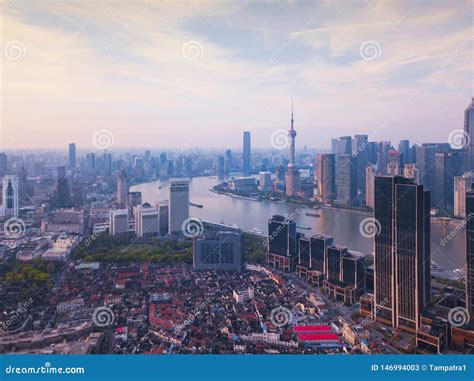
x=118, y=222
x=228, y=160
x=293, y=181
x=219, y=250
x=10, y=197
x=246, y=153
x=178, y=205
x=282, y=243
x=326, y=178
x=146, y=221
x=470, y=253
x=122, y=188
x=383, y=157
x=360, y=150
x=447, y=166
x=72, y=156
x=163, y=211
x=426, y=163
x=63, y=191
x=107, y=163
x=469, y=131
x=341, y=146
x=90, y=162
x=402, y=251
x=404, y=149
x=462, y=185
x=346, y=180
x=370, y=186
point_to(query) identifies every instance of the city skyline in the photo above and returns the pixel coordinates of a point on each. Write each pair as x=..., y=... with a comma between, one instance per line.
x=147, y=69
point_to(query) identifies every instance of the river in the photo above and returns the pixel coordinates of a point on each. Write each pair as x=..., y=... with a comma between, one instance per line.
x=343, y=225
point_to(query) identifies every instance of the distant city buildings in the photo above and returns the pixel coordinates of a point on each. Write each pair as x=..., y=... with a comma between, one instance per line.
x=469, y=135
x=72, y=156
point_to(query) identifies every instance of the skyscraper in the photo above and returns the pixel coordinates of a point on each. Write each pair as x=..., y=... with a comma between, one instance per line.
x=326, y=178
x=107, y=163
x=462, y=185
x=370, y=186
x=228, y=160
x=469, y=131
x=72, y=156
x=470, y=253
x=246, y=153
x=10, y=206
x=122, y=188
x=179, y=205
x=118, y=222
x=341, y=146
x=410, y=171
x=402, y=251
x=404, y=149
x=346, y=180
x=90, y=162
x=282, y=243
x=63, y=193
x=146, y=221
x=293, y=182
x=447, y=166
x=360, y=150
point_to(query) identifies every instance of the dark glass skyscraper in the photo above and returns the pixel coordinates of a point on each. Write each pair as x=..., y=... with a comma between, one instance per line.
x=246, y=153
x=3, y=164
x=282, y=243
x=402, y=251
x=72, y=155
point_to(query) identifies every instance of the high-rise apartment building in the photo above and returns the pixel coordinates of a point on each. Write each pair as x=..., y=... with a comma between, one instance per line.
x=178, y=205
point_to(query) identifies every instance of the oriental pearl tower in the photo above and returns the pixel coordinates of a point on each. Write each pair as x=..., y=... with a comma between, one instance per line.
x=293, y=184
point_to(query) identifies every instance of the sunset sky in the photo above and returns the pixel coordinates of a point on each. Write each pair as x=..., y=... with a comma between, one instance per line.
x=156, y=72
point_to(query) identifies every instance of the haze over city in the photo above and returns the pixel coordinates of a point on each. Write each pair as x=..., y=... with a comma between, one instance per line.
x=157, y=73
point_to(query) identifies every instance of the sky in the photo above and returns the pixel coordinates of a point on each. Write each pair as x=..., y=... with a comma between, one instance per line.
x=167, y=74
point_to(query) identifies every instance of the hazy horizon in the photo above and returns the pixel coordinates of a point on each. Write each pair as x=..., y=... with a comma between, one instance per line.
x=158, y=74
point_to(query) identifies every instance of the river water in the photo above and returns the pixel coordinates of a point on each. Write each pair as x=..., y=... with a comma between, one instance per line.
x=343, y=225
